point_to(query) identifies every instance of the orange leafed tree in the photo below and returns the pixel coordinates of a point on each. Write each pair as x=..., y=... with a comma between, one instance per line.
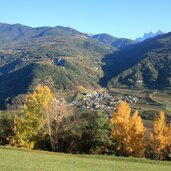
x=128, y=131
x=159, y=144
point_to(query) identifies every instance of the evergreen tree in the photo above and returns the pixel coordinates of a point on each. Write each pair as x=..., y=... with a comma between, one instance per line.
x=6, y=125
x=96, y=136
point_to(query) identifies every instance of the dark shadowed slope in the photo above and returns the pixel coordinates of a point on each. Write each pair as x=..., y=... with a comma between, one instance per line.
x=145, y=64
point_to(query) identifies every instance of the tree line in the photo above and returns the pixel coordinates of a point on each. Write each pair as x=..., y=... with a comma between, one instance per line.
x=45, y=122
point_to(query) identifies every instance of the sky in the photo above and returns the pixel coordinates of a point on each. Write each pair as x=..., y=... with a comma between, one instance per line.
x=120, y=18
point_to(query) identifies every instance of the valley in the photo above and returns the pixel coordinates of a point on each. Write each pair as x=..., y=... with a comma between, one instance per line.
x=91, y=75
x=63, y=59
x=85, y=85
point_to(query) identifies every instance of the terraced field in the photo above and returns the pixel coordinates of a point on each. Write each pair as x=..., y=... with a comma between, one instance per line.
x=149, y=104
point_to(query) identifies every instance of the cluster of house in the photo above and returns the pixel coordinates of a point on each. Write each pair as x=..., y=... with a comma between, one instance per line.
x=103, y=101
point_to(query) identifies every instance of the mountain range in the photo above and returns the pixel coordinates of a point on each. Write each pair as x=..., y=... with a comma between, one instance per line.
x=64, y=58
x=114, y=42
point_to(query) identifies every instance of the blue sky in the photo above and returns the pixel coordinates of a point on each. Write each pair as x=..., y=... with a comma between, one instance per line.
x=120, y=18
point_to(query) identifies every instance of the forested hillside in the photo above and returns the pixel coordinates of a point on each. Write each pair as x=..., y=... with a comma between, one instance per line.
x=59, y=57
x=114, y=42
x=64, y=58
x=146, y=64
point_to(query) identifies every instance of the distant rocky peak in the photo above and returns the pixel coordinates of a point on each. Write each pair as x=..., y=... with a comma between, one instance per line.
x=149, y=35
x=159, y=32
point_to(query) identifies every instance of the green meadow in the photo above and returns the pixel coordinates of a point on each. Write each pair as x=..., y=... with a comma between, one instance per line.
x=12, y=159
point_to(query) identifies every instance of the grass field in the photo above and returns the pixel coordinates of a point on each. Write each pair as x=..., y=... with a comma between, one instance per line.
x=145, y=101
x=163, y=99
x=12, y=159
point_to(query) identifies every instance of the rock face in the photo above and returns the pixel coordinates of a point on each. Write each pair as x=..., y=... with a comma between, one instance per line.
x=149, y=35
x=59, y=62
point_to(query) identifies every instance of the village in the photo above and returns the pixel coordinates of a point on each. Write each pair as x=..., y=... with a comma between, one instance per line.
x=101, y=100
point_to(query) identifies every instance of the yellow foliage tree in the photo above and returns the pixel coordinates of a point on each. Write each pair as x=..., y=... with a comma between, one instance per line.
x=33, y=118
x=20, y=138
x=159, y=144
x=128, y=131
x=81, y=89
x=136, y=132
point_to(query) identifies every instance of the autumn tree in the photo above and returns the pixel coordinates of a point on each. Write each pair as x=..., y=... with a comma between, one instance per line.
x=32, y=118
x=159, y=143
x=136, y=132
x=127, y=131
x=58, y=114
x=81, y=89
